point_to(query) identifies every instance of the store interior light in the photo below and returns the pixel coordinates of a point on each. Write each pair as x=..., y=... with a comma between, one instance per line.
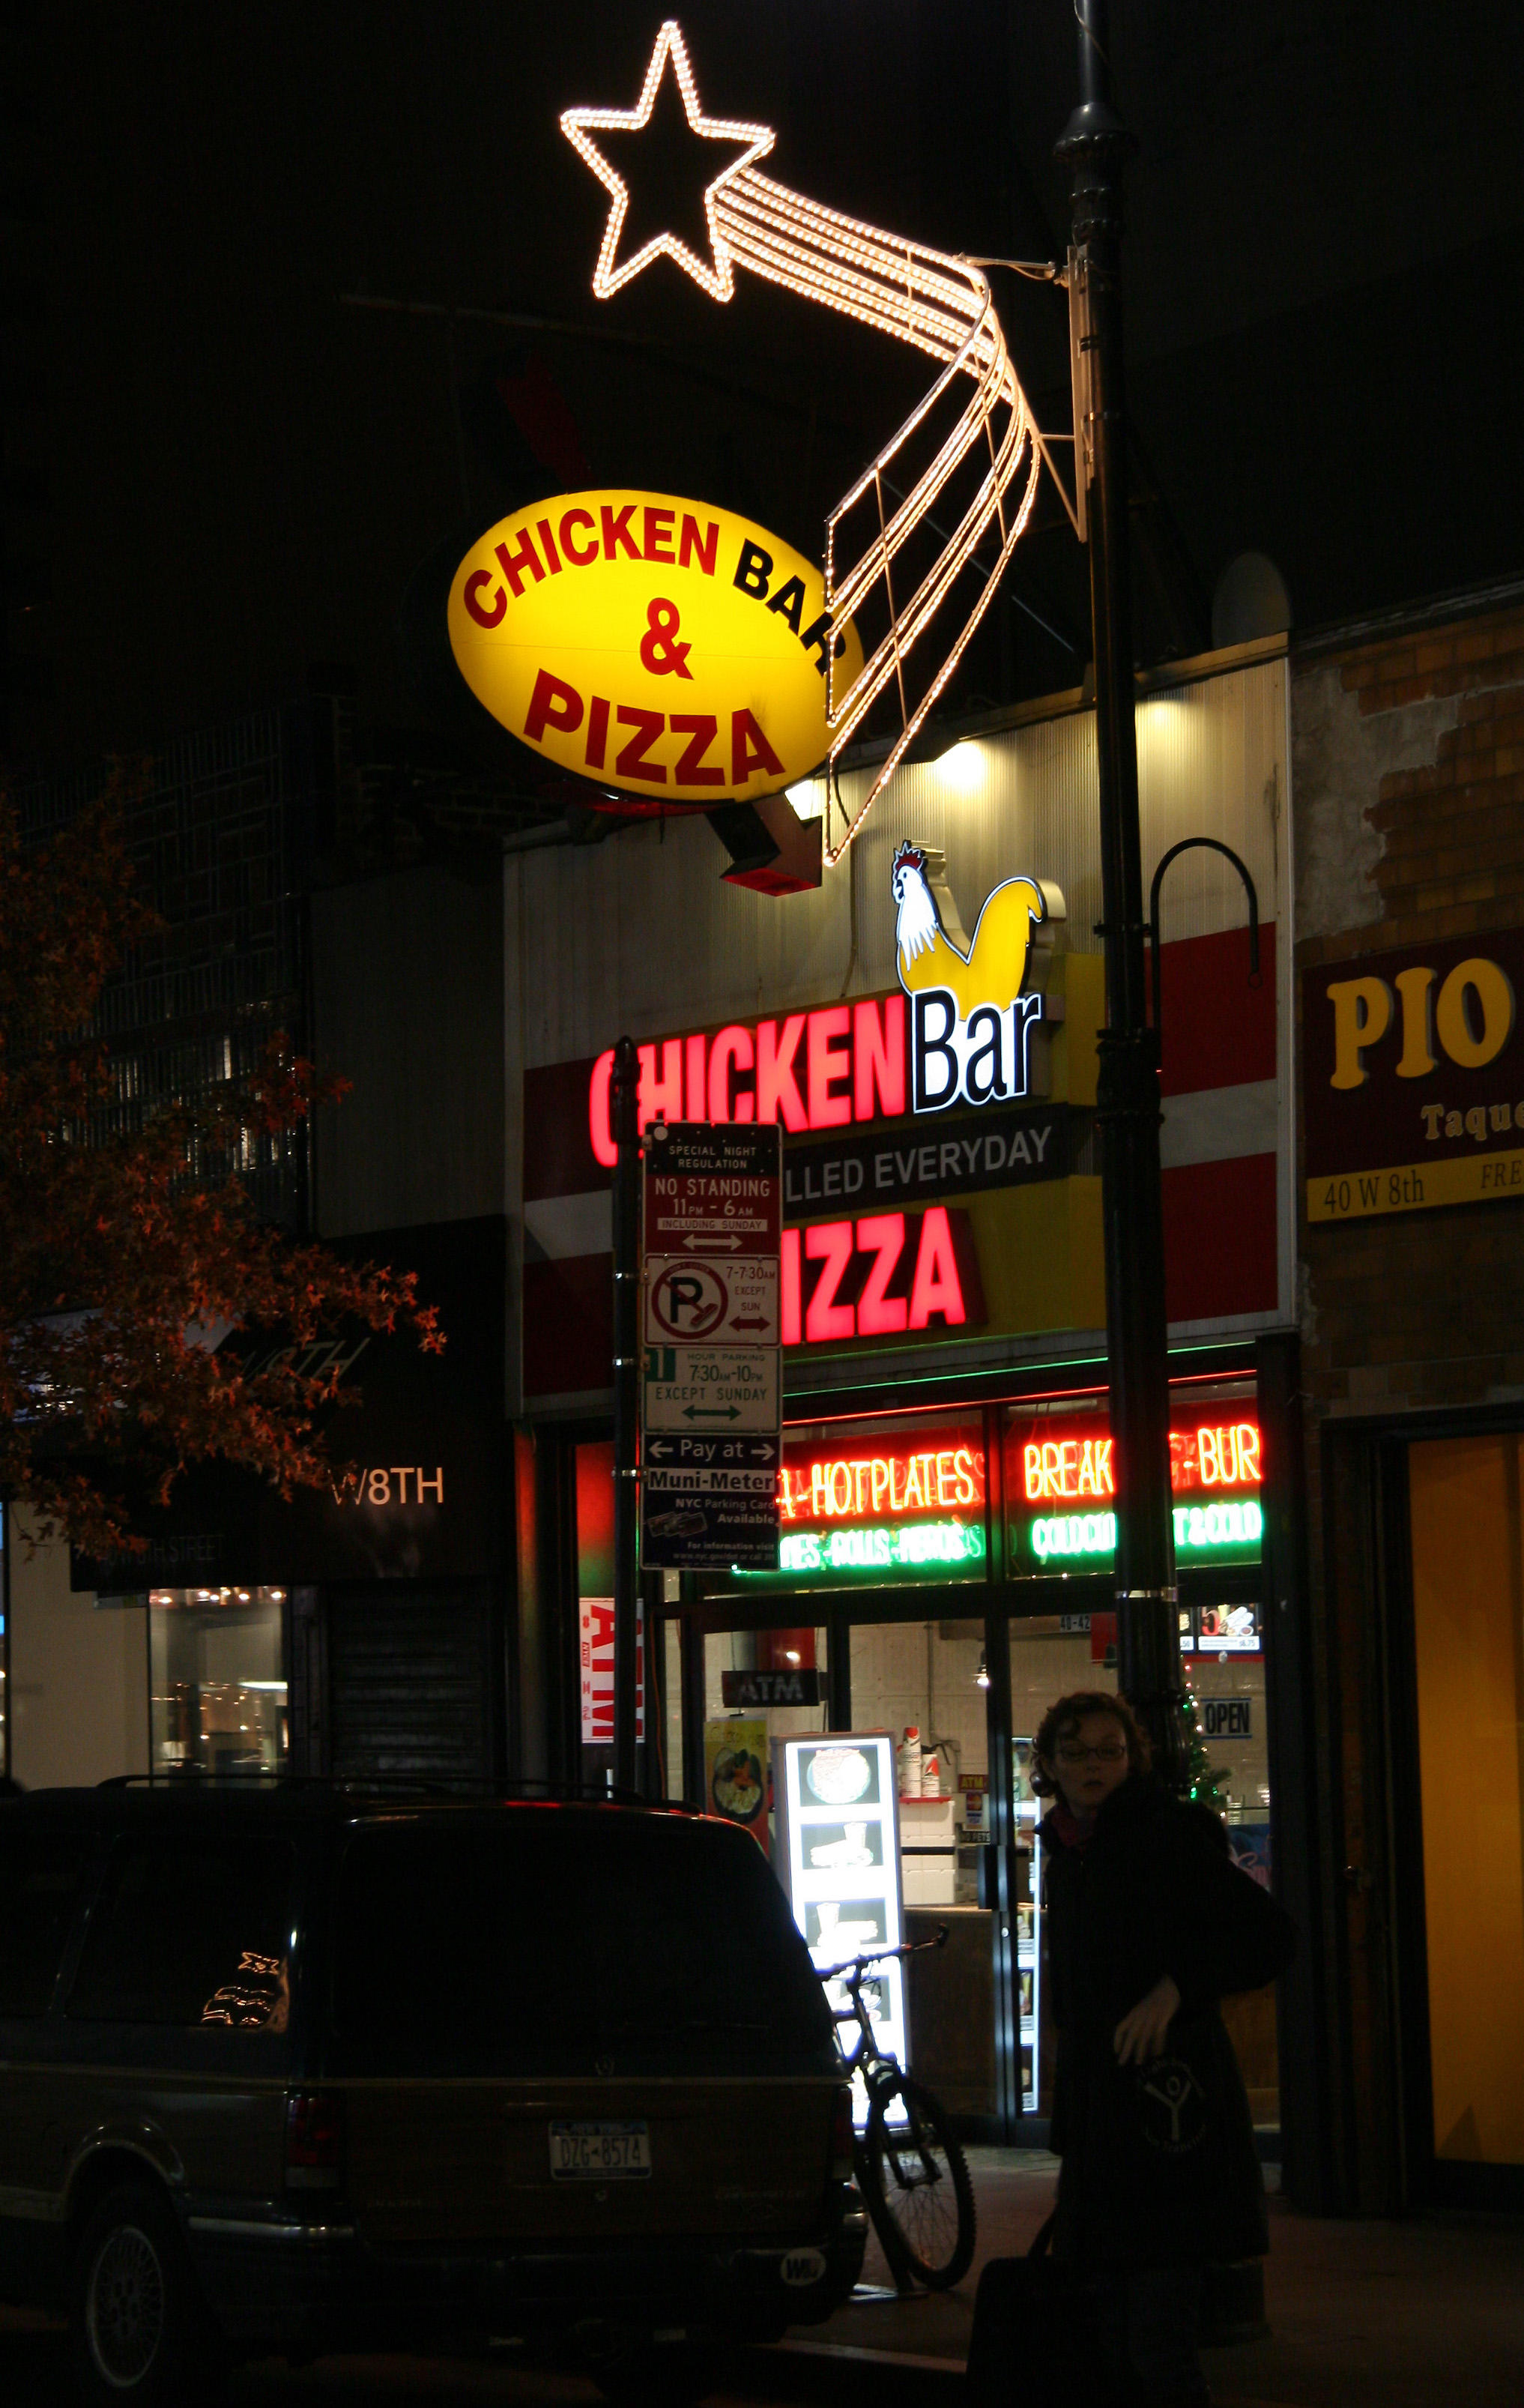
x=960, y=770
x=982, y=1678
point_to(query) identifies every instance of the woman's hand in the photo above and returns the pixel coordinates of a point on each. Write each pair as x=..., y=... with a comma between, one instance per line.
x=1141, y=2035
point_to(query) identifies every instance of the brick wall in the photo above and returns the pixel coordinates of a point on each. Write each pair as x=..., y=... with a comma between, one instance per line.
x=1427, y=1307
x=1408, y=792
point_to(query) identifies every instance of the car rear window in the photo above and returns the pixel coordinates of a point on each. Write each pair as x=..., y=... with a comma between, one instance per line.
x=40, y=1877
x=193, y=1930
x=548, y=1938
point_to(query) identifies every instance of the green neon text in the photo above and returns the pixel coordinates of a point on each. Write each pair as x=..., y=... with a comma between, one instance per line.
x=1197, y=1527
x=886, y=1550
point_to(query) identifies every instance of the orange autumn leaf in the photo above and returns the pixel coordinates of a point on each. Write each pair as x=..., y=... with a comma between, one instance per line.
x=127, y=1238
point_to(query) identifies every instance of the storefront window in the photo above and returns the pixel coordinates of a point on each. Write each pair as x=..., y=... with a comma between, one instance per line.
x=1060, y=1518
x=1061, y=1493
x=216, y=1682
x=758, y=1685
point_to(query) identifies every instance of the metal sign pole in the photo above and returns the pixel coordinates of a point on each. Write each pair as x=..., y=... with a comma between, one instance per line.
x=625, y=1114
x=1128, y=1114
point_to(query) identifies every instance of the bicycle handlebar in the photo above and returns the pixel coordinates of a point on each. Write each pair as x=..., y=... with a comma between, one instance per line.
x=857, y=1965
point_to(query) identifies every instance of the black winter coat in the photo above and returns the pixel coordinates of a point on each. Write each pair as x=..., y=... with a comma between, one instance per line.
x=1159, y=2162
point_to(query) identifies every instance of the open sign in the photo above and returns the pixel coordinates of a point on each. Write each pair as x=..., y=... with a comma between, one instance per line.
x=1227, y=1717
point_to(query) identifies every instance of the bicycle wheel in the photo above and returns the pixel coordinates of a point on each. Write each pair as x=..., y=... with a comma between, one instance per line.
x=915, y=2181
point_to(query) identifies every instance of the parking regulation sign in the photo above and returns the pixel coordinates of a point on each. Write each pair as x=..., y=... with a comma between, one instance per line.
x=713, y=1190
x=691, y=1297
x=712, y=1388
x=712, y=1400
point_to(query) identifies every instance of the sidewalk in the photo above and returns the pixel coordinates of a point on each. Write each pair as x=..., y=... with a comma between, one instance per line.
x=1363, y=2314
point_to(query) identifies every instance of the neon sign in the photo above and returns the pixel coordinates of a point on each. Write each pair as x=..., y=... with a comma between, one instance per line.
x=1072, y=1465
x=903, y=1506
x=939, y=303
x=1223, y=1454
x=881, y=1549
x=973, y=1009
x=887, y=1274
x=822, y=1069
x=862, y=1487
x=1198, y=1530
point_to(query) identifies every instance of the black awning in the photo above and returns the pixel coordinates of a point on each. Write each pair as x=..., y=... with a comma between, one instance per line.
x=419, y=1486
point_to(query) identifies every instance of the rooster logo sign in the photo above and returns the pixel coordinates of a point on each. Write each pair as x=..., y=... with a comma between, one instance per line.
x=973, y=1006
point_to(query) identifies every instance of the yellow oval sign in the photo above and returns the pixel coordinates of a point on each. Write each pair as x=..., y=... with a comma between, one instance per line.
x=658, y=645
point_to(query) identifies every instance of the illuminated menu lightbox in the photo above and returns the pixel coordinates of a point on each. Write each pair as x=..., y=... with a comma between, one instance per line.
x=906, y=1508
x=838, y=1857
x=1061, y=1489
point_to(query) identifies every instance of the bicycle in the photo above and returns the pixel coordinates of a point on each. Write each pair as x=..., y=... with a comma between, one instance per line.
x=912, y=2173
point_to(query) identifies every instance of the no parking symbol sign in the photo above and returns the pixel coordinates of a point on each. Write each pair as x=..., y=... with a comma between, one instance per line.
x=734, y=1302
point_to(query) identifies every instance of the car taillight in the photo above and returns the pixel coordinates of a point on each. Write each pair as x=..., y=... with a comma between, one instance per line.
x=841, y=2137
x=314, y=2139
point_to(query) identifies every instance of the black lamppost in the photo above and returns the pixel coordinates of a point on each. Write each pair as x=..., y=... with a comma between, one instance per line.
x=1147, y=1609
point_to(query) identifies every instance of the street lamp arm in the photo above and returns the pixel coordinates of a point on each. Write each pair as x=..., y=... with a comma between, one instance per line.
x=1209, y=844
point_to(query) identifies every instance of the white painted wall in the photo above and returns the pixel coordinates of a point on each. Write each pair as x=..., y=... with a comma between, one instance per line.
x=79, y=1675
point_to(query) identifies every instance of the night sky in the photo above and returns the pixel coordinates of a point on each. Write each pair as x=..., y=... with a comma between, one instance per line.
x=220, y=470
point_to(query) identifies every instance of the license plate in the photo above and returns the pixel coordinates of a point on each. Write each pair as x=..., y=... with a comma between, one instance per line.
x=600, y=2152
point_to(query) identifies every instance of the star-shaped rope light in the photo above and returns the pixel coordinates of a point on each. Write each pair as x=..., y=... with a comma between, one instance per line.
x=939, y=304
x=753, y=142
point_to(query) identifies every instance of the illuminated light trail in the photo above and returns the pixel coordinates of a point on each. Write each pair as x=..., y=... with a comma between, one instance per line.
x=939, y=304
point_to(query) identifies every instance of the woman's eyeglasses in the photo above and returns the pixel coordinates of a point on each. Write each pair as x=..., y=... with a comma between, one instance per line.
x=1112, y=1753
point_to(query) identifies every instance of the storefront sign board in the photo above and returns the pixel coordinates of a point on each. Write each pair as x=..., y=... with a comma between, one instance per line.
x=771, y=1689
x=1009, y=1148
x=1413, y=1069
x=651, y=643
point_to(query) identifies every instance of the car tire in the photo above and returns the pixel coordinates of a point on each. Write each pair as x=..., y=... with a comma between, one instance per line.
x=139, y=2333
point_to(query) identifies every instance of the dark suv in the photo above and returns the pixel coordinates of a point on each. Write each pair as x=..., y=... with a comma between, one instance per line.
x=297, y=2069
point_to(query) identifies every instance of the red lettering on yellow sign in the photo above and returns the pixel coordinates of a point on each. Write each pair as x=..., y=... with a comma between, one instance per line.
x=557, y=708
x=696, y=546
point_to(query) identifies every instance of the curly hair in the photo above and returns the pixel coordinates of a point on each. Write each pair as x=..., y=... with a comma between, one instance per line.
x=1064, y=1719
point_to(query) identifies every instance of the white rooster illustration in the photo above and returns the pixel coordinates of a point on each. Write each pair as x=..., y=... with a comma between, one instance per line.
x=932, y=948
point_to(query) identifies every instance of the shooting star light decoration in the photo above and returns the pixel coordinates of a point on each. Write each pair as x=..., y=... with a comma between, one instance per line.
x=938, y=304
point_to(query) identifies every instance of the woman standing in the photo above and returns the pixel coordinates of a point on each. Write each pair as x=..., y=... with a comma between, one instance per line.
x=1149, y=1923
